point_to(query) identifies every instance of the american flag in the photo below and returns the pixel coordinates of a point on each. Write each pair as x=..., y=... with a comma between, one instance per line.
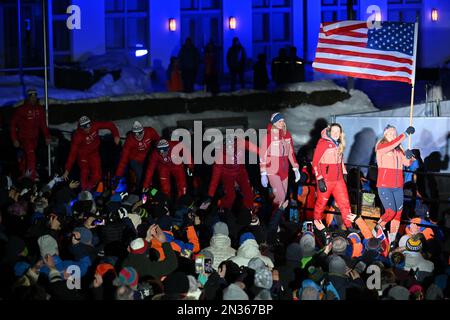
x=353, y=49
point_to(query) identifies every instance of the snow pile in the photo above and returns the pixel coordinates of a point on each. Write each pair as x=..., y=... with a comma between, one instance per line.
x=300, y=119
x=309, y=87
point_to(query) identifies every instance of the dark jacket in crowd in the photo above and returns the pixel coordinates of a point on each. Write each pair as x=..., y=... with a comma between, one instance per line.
x=145, y=267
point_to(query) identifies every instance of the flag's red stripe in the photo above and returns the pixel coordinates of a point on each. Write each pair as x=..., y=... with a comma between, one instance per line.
x=347, y=33
x=347, y=28
x=365, y=55
x=343, y=43
x=365, y=75
x=363, y=65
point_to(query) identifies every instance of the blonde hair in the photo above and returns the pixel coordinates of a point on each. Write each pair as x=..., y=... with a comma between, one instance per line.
x=341, y=138
x=384, y=140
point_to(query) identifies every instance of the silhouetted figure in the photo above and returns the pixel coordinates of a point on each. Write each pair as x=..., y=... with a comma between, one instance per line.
x=236, y=58
x=175, y=82
x=433, y=163
x=189, y=61
x=211, y=68
x=260, y=76
x=297, y=67
x=280, y=67
x=362, y=147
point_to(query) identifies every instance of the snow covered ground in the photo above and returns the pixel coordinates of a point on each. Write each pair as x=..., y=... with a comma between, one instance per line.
x=300, y=120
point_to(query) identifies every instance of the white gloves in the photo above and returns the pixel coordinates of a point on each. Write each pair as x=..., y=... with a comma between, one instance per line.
x=264, y=179
x=297, y=175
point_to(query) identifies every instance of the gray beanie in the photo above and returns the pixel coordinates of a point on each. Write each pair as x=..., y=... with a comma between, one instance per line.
x=263, y=278
x=221, y=228
x=337, y=265
x=434, y=293
x=399, y=293
x=307, y=244
x=234, y=292
x=47, y=245
x=339, y=245
x=85, y=196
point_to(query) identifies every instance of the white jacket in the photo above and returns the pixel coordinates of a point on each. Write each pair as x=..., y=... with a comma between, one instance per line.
x=220, y=247
x=415, y=260
x=248, y=250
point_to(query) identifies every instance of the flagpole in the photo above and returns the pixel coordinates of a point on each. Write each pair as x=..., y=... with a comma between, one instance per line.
x=44, y=15
x=413, y=80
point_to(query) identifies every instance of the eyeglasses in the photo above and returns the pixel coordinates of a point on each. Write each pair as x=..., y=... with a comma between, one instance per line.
x=86, y=126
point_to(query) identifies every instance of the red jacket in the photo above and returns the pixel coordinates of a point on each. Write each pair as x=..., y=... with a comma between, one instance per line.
x=277, y=150
x=136, y=150
x=85, y=144
x=29, y=120
x=230, y=164
x=327, y=162
x=390, y=161
x=166, y=163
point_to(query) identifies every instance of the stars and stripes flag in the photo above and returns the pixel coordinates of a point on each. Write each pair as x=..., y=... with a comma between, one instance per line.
x=360, y=50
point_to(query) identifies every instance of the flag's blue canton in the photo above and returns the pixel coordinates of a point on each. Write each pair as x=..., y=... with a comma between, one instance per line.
x=392, y=36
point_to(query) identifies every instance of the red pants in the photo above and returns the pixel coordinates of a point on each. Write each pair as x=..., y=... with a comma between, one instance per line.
x=29, y=148
x=279, y=189
x=339, y=191
x=180, y=178
x=229, y=181
x=90, y=171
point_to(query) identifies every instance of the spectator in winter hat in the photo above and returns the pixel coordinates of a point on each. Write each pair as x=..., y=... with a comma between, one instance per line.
x=139, y=260
x=48, y=246
x=307, y=244
x=128, y=276
x=220, y=244
x=398, y=293
x=434, y=293
x=342, y=279
x=413, y=256
x=247, y=250
x=176, y=286
x=234, y=292
x=82, y=244
x=339, y=245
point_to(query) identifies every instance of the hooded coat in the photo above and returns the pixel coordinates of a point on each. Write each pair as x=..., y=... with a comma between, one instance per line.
x=250, y=249
x=220, y=247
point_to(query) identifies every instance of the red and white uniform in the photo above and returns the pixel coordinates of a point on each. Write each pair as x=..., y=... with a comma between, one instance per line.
x=26, y=123
x=276, y=152
x=229, y=168
x=85, y=149
x=170, y=165
x=136, y=150
x=328, y=164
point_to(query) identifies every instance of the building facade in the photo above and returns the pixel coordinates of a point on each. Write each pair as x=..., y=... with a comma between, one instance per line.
x=263, y=26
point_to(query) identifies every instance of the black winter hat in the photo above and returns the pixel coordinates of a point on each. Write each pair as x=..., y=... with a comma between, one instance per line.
x=176, y=283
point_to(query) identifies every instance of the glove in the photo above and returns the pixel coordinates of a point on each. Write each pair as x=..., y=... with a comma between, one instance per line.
x=297, y=175
x=322, y=185
x=189, y=172
x=264, y=179
x=410, y=130
x=123, y=213
x=409, y=154
x=205, y=204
